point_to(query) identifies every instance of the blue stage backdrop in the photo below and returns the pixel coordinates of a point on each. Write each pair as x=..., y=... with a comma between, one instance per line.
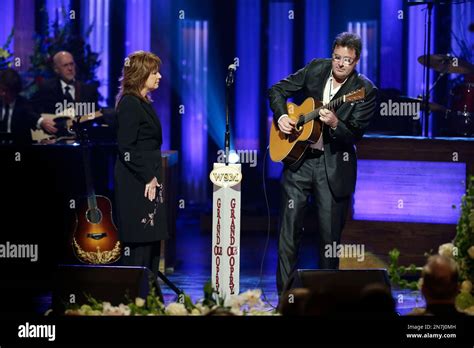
x=280, y=55
x=193, y=73
x=138, y=28
x=392, y=18
x=7, y=20
x=96, y=13
x=247, y=85
x=317, y=43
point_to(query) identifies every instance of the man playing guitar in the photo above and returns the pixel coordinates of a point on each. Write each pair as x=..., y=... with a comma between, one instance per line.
x=328, y=169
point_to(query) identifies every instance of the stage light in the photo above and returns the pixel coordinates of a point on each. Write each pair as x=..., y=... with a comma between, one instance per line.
x=233, y=157
x=193, y=89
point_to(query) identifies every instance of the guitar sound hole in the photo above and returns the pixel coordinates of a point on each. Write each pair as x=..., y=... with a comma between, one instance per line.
x=94, y=216
x=96, y=236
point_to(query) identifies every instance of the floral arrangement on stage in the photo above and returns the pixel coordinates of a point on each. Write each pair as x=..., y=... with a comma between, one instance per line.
x=56, y=37
x=397, y=273
x=247, y=303
x=461, y=250
x=6, y=57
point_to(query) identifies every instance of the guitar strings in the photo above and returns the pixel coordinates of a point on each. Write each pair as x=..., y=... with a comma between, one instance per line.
x=331, y=105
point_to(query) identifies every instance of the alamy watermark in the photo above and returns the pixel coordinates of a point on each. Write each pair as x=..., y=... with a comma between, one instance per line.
x=239, y=156
x=74, y=109
x=28, y=330
x=19, y=251
x=355, y=251
x=396, y=108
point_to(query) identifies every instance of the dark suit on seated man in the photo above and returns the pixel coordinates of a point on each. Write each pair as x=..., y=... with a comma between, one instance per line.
x=64, y=89
x=17, y=117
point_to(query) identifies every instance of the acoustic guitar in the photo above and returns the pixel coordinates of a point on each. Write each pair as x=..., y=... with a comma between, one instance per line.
x=289, y=148
x=64, y=123
x=95, y=237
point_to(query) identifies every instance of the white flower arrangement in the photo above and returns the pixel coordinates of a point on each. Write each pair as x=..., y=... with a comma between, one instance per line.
x=446, y=250
x=247, y=303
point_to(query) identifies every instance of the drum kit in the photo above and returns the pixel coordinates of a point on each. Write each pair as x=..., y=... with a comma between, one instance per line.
x=460, y=114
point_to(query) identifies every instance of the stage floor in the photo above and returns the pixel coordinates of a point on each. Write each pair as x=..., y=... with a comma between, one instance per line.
x=193, y=267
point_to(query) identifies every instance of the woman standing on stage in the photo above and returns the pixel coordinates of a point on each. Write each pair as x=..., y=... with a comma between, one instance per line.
x=138, y=169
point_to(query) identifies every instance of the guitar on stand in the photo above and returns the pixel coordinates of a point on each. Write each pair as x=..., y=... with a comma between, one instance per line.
x=95, y=237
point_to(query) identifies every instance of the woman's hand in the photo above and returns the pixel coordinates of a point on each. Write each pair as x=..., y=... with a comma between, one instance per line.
x=150, y=189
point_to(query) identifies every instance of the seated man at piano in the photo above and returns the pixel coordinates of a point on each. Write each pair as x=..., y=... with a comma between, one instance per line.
x=64, y=92
x=17, y=117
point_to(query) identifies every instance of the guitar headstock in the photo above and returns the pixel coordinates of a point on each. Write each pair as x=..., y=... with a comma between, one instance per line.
x=355, y=96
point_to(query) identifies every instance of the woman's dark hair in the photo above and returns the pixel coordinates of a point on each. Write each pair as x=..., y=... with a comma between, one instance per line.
x=136, y=69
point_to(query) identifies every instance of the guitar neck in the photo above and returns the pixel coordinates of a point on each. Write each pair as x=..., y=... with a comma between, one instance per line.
x=84, y=118
x=86, y=157
x=333, y=104
x=92, y=201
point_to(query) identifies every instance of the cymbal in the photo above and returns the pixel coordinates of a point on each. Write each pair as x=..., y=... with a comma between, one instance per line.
x=435, y=107
x=447, y=64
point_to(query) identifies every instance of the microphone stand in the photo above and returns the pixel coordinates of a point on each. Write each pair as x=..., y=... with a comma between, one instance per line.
x=426, y=67
x=229, y=81
x=426, y=127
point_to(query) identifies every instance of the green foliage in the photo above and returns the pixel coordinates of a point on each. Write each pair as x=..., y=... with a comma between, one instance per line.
x=465, y=234
x=188, y=303
x=93, y=303
x=396, y=272
x=463, y=244
x=209, y=295
x=6, y=57
x=464, y=300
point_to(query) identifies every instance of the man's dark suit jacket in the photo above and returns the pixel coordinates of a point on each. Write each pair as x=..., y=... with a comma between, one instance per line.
x=50, y=93
x=22, y=122
x=354, y=118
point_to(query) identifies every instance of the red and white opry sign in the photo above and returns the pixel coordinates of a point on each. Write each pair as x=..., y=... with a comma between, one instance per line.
x=226, y=229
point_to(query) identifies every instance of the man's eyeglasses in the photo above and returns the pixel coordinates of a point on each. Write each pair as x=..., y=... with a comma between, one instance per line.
x=346, y=60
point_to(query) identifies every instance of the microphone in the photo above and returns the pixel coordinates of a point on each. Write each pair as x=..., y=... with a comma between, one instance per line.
x=230, y=74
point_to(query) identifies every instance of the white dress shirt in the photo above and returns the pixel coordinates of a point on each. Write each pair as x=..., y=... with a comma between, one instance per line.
x=72, y=90
x=9, y=116
x=328, y=94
